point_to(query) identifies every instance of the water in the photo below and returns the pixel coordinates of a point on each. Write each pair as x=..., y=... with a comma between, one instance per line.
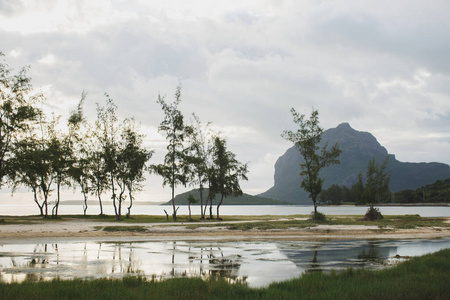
x=256, y=263
x=424, y=211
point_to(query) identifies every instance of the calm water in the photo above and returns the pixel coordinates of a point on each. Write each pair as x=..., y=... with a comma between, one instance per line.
x=424, y=211
x=257, y=263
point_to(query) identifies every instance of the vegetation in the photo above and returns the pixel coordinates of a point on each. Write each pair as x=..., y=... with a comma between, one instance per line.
x=376, y=187
x=38, y=153
x=244, y=199
x=336, y=195
x=438, y=192
x=17, y=111
x=199, y=156
x=191, y=200
x=307, y=139
x=423, y=277
x=225, y=173
x=251, y=222
x=176, y=164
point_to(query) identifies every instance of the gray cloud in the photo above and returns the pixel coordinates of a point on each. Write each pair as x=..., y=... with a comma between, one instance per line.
x=381, y=66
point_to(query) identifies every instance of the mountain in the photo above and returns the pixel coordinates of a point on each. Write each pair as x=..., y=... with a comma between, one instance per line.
x=357, y=149
x=245, y=199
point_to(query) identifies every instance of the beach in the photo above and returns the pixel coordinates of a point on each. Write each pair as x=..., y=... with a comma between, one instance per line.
x=80, y=229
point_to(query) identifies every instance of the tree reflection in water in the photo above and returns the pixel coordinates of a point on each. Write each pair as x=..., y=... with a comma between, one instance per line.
x=255, y=263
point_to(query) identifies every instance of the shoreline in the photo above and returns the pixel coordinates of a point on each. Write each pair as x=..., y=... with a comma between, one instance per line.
x=84, y=230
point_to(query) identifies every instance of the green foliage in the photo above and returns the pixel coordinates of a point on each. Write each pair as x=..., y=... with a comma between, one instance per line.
x=375, y=188
x=438, y=192
x=336, y=194
x=191, y=199
x=124, y=228
x=175, y=169
x=225, y=172
x=423, y=277
x=373, y=214
x=317, y=217
x=307, y=138
x=244, y=199
x=17, y=113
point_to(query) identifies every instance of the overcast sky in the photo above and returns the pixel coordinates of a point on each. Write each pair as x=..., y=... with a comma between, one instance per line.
x=381, y=66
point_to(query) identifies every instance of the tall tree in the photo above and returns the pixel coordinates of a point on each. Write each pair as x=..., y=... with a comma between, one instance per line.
x=78, y=141
x=198, y=157
x=33, y=162
x=66, y=148
x=17, y=112
x=109, y=136
x=176, y=166
x=132, y=158
x=227, y=171
x=307, y=139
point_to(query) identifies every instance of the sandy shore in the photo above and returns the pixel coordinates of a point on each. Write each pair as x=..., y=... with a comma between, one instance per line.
x=92, y=230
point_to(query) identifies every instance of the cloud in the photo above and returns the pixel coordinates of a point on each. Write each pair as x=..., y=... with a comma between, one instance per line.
x=381, y=66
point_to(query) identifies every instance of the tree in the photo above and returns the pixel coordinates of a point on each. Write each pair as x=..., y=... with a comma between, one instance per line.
x=33, y=161
x=132, y=160
x=375, y=187
x=198, y=158
x=109, y=136
x=227, y=172
x=67, y=149
x=307, y=139
x=17, y=113
x=176, y=165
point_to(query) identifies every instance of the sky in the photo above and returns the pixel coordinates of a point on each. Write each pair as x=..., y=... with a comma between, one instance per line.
x=381, y=66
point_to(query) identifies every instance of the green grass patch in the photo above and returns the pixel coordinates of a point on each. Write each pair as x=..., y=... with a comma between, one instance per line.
x=122, y=228
x=425, y=277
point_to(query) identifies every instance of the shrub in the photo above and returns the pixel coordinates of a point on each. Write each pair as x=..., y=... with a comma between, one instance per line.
x=320, y=217
x=373, y=214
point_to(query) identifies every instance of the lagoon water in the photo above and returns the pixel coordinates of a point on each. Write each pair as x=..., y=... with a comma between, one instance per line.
x=246, y=210
x=256, y=263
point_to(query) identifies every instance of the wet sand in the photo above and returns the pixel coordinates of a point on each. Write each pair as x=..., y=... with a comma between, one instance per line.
x=75, y=229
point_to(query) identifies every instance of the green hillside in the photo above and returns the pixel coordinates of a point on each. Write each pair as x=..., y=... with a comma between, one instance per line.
x=438, y=192
x=245, y=199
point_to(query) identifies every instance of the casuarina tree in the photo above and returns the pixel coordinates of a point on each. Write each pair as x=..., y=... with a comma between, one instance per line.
x=376, y=186
x=175, y=168
x=307, y=138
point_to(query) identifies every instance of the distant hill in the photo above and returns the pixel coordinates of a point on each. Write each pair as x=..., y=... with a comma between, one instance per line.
x=357, y=149
x=245, y=199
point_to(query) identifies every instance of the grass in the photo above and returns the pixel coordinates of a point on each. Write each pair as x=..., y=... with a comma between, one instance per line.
x=425, y=277
x=122, y=228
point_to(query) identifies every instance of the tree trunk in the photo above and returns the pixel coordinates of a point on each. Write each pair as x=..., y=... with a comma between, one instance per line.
x=131, y=204
x=202, y=215
x=315, y=209
x=100, y=202
x=113, y=195
x=189, y=206
x=85, y=196
x=210, y=209
x=174, y=216
x=218, y=206
x=41, y=207
x=58, y=197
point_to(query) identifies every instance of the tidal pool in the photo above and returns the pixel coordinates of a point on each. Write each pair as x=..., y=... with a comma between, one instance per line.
x=256, y=263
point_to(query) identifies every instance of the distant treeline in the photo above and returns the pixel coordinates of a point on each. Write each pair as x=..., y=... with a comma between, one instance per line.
x=437, y=192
